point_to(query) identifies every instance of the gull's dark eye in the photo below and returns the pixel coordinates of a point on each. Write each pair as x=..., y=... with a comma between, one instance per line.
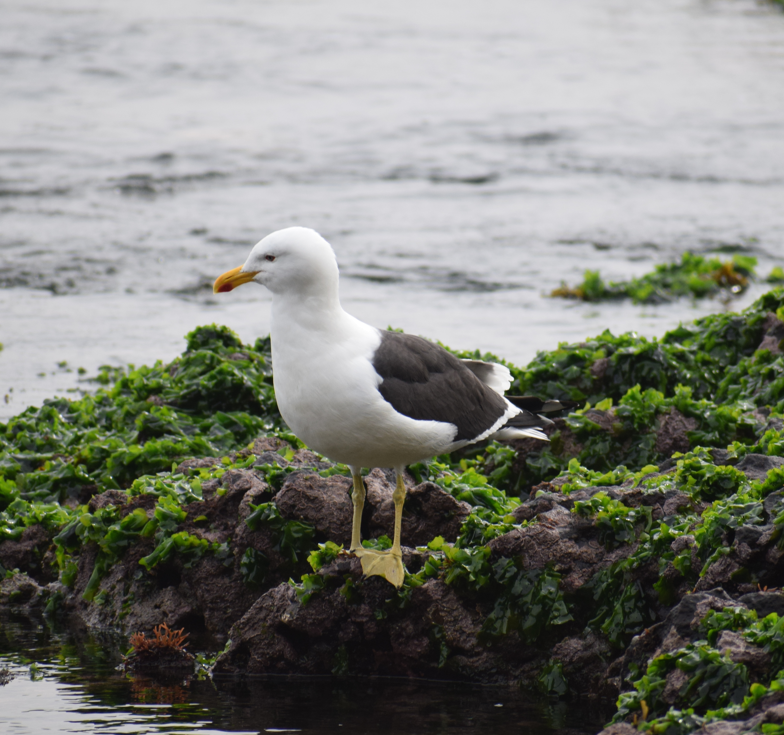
x=270, y=258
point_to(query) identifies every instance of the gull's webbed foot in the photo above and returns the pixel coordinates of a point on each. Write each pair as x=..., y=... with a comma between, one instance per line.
x=387, y=564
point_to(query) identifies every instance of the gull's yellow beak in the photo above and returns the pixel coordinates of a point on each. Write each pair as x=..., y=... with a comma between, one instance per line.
x=231, y=279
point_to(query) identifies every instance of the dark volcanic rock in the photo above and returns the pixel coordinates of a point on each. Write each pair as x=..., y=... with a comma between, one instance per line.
x=22, y=593
x=359, y=634
x=197, y=463
x=105, y=499
x=562, y=540
x=774, y=334
x=268, y=444
x=205, y=596
x=324, y=502
x=672, y=435
x=685, y=617
x=428, y=512
x=764, y=603
x=27, y=554
x=754, y=658
x=578, y=656
x=757, y=466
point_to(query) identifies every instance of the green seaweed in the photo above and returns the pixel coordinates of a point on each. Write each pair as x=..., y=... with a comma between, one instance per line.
x=716, y=688
x=216, y=397
x=694, y=275
x=293, y=539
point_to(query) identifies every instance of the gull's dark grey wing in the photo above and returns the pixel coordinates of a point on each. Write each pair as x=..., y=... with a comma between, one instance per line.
x=423, y=381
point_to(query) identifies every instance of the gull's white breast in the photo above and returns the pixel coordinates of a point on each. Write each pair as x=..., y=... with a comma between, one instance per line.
x=326, y=389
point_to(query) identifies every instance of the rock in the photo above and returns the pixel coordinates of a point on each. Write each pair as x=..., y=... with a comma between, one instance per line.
x=531, y=508
x=772, y=502
x=672, y=434
x=686, y=616
x=599, y=367
x=197, y=463
x=579, y=655
x=428, y=511
x=239, y=482
x=206, y=595
x=323, y=502
x=675, y=502
x=20, y=592
x=253, y=496
x=724, y=727
x=774, y=334
x=672, y=642
x=755, y=659
x=641, y=649
x=256, y=647
x=270, y=458
x=269, y=444
x=27, y=553
x=305, y=459
x=774, y=713
x=676, y=681
x=219, y=597
x=563, y=540
x=620, y=728
x=718, y=574
x=764, y=603
x=361, y=633
x=721, y=457
x=757, y=466
x=107, y=498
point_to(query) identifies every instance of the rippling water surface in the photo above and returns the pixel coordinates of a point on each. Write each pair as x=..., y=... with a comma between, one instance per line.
x=462, y=158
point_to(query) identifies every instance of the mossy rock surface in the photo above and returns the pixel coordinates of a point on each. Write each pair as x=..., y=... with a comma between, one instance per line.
x=174, y=493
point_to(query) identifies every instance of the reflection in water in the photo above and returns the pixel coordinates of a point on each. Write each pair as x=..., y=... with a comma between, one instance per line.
x=151, y=691
x=62, y=682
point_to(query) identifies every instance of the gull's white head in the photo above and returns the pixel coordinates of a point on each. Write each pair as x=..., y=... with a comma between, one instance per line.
x=294, y=260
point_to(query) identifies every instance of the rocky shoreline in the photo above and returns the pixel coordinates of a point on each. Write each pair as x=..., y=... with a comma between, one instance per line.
x=634, y=564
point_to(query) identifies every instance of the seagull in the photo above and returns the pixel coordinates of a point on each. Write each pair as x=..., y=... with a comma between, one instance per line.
x=367, y=397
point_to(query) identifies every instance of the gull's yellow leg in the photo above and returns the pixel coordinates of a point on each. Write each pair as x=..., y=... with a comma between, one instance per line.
x=387, y=564
x=358, y=497
x=399, y=496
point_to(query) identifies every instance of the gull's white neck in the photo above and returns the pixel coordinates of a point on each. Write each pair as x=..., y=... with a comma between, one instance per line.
x=305, y=313
x=303, y=320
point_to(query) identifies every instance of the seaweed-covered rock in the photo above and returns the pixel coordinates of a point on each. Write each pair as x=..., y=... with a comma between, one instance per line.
x=27, y=553
x=359, y=630
x=764, y=603
x=636, y=552
x=21, y=593
x=673, y=433
x=323, y=502
x=757, y=466
x=429, y=511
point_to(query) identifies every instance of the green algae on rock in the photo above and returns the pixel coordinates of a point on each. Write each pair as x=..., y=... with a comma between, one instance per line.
x=176, y=490
x=695, y=276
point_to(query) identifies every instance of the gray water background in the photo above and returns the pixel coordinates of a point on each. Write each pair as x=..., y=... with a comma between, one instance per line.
x=463, y=158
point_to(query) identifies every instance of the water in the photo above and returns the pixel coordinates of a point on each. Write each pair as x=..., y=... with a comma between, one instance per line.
x=64, y=684
x=463, y=159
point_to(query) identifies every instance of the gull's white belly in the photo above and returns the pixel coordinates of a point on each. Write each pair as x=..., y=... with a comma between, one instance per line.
x=327, y=394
